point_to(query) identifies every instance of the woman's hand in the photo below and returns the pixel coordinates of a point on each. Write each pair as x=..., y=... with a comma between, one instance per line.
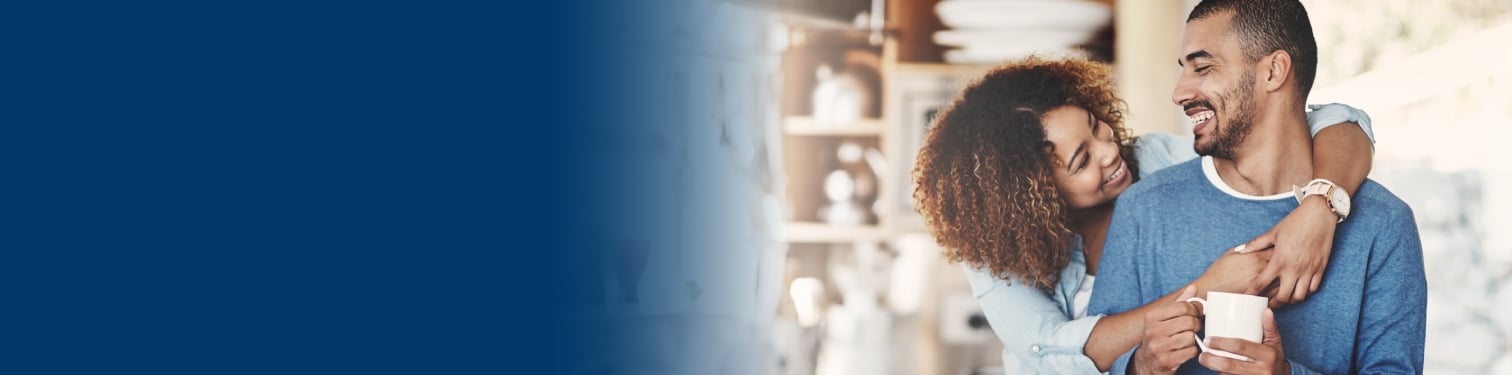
x=1302, y=242
x=1234, y=271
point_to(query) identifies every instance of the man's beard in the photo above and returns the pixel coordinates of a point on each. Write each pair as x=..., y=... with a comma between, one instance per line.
x=1240, y=104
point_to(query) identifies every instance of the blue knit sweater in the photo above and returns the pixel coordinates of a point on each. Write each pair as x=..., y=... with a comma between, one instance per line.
x=1367, y=316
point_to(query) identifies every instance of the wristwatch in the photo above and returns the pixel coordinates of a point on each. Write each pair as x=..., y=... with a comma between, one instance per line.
x=1338, y=200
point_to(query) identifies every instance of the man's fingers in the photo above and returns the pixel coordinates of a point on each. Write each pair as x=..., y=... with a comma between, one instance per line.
x=1269, y=334
x=1179, y=340
x=1186, y=354
x=1224, y=365
x=1179, y=324
x=1180, y=307
x=1232, y=345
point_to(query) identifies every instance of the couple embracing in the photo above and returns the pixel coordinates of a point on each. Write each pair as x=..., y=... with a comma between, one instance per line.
x=1085, y=245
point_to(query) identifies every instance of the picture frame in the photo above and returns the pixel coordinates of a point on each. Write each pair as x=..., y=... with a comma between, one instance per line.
x=915, y=95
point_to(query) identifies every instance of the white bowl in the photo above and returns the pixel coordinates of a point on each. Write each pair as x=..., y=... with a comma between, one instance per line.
x=1048, y=14
x=1039, y=38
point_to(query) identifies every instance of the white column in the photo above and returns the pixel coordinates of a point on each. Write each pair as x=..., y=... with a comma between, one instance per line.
x=1148, y=41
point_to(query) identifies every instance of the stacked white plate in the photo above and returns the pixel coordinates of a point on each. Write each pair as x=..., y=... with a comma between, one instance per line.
x=990, y=31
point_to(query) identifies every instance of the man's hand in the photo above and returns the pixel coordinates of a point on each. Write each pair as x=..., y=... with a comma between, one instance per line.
x=1302, y=241
x=1266, y=357
x=1167, y=341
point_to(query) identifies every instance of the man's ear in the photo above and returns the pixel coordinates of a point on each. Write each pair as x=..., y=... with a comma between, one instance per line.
x=1277, y=70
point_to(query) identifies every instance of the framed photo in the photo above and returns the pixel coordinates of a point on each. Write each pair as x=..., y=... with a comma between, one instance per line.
x=916, y=94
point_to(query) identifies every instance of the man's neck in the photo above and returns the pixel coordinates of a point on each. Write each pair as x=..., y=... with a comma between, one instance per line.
x=1276, y=155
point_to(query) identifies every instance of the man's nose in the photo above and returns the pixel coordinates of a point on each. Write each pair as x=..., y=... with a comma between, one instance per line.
x=1185, y=90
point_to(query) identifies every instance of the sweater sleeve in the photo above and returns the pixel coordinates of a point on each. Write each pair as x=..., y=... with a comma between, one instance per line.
x=1392, y=328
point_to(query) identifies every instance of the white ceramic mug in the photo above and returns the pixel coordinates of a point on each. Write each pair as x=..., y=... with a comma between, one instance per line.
x=1231, y=315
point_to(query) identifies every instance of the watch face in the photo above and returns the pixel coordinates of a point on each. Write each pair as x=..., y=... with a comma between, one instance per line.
x=1340, y=201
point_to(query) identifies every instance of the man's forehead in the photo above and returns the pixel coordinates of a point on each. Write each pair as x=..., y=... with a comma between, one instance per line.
x=1210, y=34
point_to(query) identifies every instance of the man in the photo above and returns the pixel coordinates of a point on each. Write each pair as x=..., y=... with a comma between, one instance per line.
x=1247, y=67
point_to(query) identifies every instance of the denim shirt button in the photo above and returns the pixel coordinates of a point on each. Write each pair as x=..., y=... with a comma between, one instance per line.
x=1034, y=348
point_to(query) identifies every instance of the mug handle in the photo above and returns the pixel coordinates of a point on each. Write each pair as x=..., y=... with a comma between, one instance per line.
x=1204, y=347
x=1199, y=301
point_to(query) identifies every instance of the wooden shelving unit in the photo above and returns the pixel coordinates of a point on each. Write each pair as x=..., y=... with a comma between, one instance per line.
x=806, y=126
x=809, y=147
x=810, y=232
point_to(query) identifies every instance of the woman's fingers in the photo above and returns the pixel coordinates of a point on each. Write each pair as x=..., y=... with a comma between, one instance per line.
x=1317, y=280
x=1300, y=293
x=1284, y=295
x=1264, y=279
x=1264, y=242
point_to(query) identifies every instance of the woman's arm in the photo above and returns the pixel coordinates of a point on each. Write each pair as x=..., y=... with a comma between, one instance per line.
x=1116, y=334
x=1304, y=239
x=1031, y=325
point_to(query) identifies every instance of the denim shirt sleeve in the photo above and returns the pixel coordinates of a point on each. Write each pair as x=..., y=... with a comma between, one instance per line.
x=1322, y=116
x=1155, y=151
x=1032, y=325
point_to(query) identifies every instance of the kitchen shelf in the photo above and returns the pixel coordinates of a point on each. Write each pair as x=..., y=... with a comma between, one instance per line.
x=806, y=126
x=810, y=232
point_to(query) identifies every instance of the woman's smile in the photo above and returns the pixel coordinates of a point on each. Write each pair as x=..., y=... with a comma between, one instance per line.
x=1119, y=177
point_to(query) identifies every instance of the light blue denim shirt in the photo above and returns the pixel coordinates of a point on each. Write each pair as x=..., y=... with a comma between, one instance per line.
x=1037, y=328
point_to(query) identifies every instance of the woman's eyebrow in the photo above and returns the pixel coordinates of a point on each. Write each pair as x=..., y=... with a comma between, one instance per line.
x=1072, y=163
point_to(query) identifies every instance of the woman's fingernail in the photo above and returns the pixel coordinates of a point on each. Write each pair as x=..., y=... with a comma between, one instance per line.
x=1240, y=248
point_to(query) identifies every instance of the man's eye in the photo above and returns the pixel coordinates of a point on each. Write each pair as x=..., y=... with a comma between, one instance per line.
x=1203, y=69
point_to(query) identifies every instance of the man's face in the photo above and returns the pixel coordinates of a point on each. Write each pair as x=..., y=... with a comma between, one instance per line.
x=1216, y=87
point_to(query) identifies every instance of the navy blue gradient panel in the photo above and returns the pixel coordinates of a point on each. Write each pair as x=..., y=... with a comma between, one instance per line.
x=304, y=187
x=674, y=215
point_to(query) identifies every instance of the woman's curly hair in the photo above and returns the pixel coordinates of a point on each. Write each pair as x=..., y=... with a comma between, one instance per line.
x=984, y=175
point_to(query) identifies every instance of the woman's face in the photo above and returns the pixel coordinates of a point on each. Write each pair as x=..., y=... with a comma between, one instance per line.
x=1088, y=167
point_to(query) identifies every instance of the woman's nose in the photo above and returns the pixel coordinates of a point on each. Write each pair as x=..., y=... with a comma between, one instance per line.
x=1108, y=153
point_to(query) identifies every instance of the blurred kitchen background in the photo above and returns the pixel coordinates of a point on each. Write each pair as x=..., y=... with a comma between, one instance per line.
x=796, y=249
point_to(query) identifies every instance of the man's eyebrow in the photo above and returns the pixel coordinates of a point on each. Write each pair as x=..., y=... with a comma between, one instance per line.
x=1200, y=54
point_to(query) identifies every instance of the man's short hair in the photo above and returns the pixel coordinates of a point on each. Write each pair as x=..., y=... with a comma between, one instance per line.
x=1264, y=26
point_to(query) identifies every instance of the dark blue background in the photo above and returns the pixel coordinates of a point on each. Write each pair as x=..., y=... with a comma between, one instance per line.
x=255, y=187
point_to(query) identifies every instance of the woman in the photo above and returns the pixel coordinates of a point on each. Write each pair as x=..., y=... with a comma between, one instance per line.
x=1006, y=185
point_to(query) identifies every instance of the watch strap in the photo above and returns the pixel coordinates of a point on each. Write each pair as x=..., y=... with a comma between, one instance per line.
x=1321, y=187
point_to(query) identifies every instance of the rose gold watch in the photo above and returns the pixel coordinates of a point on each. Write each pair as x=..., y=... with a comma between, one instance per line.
x=1338, y=200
